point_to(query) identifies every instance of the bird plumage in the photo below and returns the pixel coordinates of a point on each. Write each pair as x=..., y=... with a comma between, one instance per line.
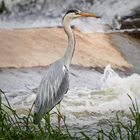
x=51, y=90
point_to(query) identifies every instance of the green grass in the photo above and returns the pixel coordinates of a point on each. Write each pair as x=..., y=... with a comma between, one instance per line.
x=17, y=127
x=121, y=130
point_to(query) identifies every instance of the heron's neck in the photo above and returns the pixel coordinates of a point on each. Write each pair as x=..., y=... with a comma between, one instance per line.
x=71, y=43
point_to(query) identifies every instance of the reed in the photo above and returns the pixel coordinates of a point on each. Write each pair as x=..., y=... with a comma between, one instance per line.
x=17, y=127
x=121, y=130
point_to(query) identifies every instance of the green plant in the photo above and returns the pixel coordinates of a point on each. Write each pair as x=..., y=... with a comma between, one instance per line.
x=16, y=127
x=121, y=130
x=3, y=7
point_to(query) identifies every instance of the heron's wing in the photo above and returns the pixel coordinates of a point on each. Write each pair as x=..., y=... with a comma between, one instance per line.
x=52, y=88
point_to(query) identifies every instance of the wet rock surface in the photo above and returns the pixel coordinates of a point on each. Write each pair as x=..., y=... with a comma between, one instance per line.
x=41, y=47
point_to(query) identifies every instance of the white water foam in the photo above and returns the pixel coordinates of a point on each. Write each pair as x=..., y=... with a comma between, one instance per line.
x=120, y=87
x=112, y=93
x=83, y=106
x=49, y=13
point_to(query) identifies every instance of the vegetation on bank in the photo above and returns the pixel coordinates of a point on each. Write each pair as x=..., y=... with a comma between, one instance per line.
x=17, y=127
x=3, y=7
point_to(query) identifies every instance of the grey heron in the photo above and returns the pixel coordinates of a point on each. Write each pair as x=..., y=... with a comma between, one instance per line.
x=55, y=83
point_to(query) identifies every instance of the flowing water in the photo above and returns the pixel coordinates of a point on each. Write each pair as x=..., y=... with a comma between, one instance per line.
x=49, y=13
x=91, y=100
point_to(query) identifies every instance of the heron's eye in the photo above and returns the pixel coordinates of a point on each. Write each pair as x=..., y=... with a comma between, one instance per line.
x=76, y=12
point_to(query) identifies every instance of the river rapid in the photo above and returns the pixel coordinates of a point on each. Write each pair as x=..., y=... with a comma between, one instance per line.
x=92, y=99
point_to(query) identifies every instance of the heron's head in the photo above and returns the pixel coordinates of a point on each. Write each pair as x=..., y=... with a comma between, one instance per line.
x=75, y=13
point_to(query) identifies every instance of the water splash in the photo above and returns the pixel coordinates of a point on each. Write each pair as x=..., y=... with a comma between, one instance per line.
x=109, y=76
x=120, y=88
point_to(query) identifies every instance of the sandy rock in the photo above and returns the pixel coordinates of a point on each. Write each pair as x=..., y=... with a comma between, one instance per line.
x=41, y=47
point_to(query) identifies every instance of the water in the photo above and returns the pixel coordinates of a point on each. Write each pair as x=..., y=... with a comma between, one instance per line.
x=92, y=99
x=49, y=13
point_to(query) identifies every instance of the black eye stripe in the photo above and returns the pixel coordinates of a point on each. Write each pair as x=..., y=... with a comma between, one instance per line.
x=73, y=11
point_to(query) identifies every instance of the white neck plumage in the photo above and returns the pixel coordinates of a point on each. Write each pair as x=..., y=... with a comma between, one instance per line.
x=71, y=41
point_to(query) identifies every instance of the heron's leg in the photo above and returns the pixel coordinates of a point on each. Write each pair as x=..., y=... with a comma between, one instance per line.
x=59, y=115
x=48, y=121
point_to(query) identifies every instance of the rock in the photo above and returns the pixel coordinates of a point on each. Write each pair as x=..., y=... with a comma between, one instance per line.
x=129, y=47
x=41, y=47
x=134, y=34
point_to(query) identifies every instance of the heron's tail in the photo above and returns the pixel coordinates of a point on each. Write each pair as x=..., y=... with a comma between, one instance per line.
x=37, y=118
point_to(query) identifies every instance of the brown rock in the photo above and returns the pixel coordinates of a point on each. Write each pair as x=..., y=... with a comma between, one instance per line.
x=41, y=47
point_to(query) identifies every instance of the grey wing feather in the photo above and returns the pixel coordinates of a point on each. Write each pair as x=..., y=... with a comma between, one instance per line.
x=51, y=90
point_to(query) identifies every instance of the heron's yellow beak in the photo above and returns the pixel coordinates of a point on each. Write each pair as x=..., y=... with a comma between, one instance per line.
x=83, y=14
